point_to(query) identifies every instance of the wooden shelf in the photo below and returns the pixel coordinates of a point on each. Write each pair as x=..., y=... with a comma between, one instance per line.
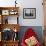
x=9, y=43
x=11, y=26
x=9, y=7
x=9, y=10
x=4, y=13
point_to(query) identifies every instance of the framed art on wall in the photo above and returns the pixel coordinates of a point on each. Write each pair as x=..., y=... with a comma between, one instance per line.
x=5, y=12
x=29, y=13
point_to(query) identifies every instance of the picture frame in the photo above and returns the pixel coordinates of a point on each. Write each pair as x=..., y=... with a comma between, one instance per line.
x=13, y=12
x=5, y=12
x=29, y=13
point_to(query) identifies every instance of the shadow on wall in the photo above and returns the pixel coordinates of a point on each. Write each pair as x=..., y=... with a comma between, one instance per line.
x=37, y=29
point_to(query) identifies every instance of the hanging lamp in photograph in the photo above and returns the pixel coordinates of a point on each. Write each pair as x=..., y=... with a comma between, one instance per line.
x=15, y=2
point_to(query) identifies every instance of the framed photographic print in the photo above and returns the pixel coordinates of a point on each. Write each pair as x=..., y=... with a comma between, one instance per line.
x=29, y=13
x=5, y=12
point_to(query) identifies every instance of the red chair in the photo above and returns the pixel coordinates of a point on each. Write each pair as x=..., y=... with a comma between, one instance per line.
x=29, y=33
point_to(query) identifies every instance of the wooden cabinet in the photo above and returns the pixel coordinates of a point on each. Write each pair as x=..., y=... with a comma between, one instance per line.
x=10, y=43
x=45, y=37
x=7, y=25
x=44, y=7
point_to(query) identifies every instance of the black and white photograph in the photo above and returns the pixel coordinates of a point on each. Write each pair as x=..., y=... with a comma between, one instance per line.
x=29, y=13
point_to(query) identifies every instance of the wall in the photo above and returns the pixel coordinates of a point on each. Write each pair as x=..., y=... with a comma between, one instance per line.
x=39, y=13
x=36, y=23
x=27, y=4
